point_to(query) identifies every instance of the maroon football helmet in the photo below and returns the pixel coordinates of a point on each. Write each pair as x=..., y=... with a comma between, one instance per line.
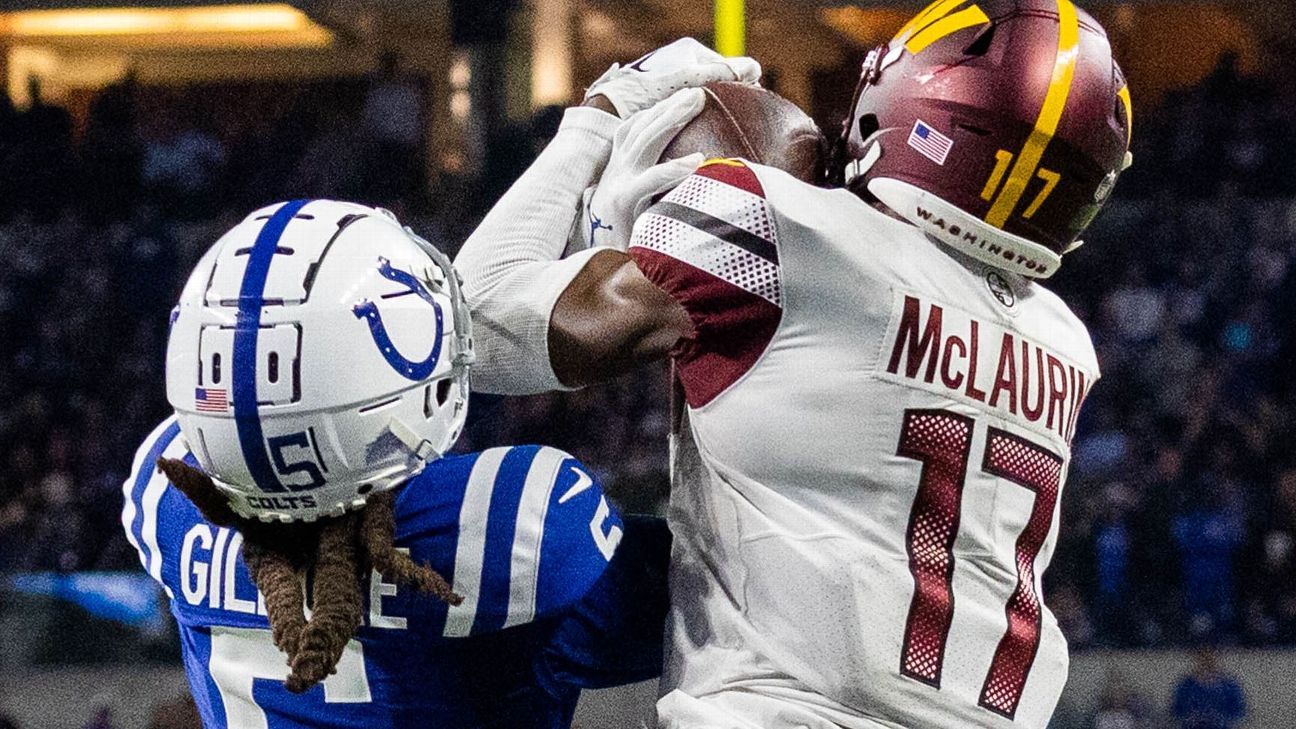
x=997, y=126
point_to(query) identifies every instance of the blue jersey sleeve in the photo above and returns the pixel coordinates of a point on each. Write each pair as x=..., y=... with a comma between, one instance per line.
x=613, y=636
x=198, y=564
x=142, y=495
x=522, y=533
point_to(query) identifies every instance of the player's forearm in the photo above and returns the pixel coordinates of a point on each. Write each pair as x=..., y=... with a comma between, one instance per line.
x=532, y=220
x=610, y=320
x=510, y=264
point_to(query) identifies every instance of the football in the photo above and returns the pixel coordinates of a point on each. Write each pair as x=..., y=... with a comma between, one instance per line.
x=755, y=124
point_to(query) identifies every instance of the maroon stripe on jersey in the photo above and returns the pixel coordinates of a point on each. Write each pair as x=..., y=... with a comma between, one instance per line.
x=1030, y=466
x=732, y=327
x=732, y=172
x=940, y=440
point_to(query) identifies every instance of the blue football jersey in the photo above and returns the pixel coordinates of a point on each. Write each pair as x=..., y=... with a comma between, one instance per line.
x=560, y=593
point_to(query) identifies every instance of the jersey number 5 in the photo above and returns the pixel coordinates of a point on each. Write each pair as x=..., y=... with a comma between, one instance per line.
x=941, y=441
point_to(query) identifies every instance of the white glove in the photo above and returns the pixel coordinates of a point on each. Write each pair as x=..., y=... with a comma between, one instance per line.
x=685, y=63
x=633, y=177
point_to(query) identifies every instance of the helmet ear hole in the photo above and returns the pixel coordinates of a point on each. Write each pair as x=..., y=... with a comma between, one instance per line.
x=436, y=396
x=868, y=124
x=981, y=44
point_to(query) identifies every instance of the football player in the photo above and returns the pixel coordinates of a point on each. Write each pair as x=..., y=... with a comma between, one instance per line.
x=881, y=392
x=327, y=564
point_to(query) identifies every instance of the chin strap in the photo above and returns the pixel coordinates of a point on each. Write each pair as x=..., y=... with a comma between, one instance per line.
x=422, y=449
x=857, y=168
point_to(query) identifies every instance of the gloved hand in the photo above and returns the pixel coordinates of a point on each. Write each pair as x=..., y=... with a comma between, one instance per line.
x=633, y=177
x=685, y=63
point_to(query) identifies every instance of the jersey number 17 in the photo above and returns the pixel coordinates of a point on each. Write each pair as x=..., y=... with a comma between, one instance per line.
x=941, y=441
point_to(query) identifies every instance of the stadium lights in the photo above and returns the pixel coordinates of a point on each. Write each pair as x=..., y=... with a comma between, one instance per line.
x=206, y=20
x=866, y=26
x=551, y=52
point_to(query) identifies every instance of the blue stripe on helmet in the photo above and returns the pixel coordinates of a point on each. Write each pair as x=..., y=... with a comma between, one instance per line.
x=246, y=333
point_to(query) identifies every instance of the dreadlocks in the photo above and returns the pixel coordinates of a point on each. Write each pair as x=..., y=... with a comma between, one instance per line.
x=340, y=551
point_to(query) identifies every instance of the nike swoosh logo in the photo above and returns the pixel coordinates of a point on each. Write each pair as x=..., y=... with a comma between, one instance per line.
x=583, y=482
x=596, y=224
x=638, y=65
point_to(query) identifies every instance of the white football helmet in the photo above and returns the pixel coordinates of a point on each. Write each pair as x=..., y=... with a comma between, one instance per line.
x=319, y=355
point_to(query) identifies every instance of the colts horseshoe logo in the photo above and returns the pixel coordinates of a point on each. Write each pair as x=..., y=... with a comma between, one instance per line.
x=368, y=310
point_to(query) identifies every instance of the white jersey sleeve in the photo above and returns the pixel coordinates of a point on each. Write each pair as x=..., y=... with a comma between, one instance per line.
x=711, y=244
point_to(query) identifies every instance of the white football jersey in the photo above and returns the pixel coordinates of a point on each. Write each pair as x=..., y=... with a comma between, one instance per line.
x=881, y=429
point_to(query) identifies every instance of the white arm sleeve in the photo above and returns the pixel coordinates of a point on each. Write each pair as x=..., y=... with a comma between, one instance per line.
x=511, y=266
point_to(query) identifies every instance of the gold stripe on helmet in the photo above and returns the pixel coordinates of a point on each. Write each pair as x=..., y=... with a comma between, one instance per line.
x=1124, y=95
x=965, y=18
x=930, y=14
x=1047, y=122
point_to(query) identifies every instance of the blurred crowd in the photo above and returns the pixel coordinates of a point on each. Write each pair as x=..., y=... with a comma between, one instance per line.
x=198, y=152
x=1179, y=524
x=1206, y=696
